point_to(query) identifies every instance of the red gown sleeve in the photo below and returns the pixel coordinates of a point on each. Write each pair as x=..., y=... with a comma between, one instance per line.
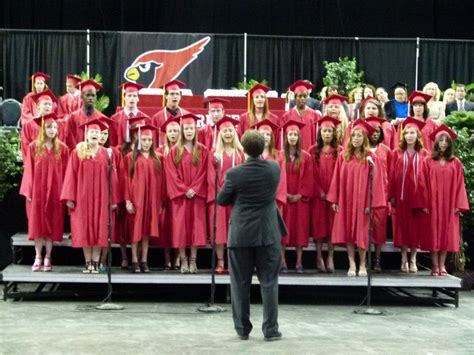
x=378, y=187
x=175, y=187
x=306, y=179
x=211, y=176
x=461, y=201
x=333, y=193
x=26, y=188
x=70, y=179
x=199, y=184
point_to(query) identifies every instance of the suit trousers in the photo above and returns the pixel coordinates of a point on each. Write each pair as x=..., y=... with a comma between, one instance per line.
x=243, y=261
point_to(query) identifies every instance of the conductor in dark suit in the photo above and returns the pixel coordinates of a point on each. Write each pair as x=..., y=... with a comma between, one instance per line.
x=255, y=232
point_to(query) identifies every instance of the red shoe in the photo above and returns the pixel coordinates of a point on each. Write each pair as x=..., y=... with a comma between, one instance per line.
x=443, y=272
x=220, y=270
x=435, y=271
x=37, y=265
x=47, y=265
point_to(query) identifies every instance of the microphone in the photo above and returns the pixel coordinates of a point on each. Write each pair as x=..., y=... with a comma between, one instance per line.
x=370, y=160
x=109, y=152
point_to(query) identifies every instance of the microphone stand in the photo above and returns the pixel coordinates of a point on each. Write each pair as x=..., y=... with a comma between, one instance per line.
x=369, y=310
x=107, y=304
x=211, y=307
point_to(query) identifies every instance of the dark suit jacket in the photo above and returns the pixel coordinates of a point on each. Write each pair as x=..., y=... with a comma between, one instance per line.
x=453, y=106
x=251, y=189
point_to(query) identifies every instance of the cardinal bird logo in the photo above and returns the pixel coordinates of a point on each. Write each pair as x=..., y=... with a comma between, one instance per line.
x=155, y=68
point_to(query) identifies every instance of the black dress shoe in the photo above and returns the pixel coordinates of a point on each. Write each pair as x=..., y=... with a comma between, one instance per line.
x=276, y=336
x=243, y=337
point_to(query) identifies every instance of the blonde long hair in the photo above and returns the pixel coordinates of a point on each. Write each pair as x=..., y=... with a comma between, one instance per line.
x=220, y=145
x=40, y=144
x=180, y=147
x=351, y=150
x=252, y=117
x=342, y=117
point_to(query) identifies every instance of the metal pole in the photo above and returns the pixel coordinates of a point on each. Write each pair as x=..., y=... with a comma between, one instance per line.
x=88, y=54
x=417, y=61
x=245, y=58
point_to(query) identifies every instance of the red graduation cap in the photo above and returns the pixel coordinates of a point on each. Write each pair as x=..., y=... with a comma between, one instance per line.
x=258, y=89
x=89, y=84
x=266, y=125
x=300, y=86
x=143, y=131
x=328, y=121
x=418, y=96
x=133, y=121
x=375, y=121
x=364, y=126
x=44, y=95
x=335, y=99
x=226, y=122
x=96, y=123
x=412, y=122
x=215, y=102
x=188, y=118
x=73, y=79
x=174, y=121
x=174, y=85
x=44, y=76
x=293, y=125
x=42, y=120
x=443, y=129
x=130, y=87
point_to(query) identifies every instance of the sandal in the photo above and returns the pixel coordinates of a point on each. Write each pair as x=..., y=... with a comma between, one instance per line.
x=330, y=265
x=377, y=266
x=37, y=265
x=135, y=268
x=404, y=267
x=192, y=266
x=413, y=268
x=94, y=267
x=144, y=267
x=87, y=268
x=435, y=271
x=47, y=265
x=443, y=272
x=320, y=266
x=220, y=269
x=184, y=265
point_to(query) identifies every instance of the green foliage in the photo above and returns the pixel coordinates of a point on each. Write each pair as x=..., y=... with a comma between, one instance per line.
x=344, y=74
x=103, y=101
x=459, y=119
x=242, y=85
x=11, y=165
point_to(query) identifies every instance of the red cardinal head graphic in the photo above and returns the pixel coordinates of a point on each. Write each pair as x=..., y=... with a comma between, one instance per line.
x=155, y=68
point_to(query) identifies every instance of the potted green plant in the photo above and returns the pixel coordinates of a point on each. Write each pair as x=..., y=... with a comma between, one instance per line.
x=344, y=74
x=11, y=165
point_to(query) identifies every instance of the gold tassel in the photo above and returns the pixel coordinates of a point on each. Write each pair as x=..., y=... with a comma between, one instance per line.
x=163, y=98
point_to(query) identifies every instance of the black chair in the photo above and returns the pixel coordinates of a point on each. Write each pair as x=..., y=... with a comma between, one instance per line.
x=10, y=112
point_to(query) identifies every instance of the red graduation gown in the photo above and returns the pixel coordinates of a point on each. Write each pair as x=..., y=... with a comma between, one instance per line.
x=350, y=191
x=42, y=182
x=222, y=212
x=308, y=132
x=446, y=192
x=206, y=135
x=408, y=219
x=244, y=124
x=28, y=108
x=86, y=183
x=75, y=134
x=429, y=127
x=190, y=225
x=297, y=215
x=390, y=135
x=120, y=231
x=118, y=130
x=161, y=117
x=145, y=191
x=321, y=211
x=68, y=103
x=30, y=131
x=379, y=235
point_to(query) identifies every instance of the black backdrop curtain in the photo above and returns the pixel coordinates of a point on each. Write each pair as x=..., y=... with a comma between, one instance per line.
x=26, y=52
x=280, y=60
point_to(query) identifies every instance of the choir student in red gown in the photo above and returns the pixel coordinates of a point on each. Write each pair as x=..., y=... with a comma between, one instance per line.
x=269, y=130
x=383, y=153
x=448, y=199
x=28, y=106
x=43, y=177
x=120, y=129
x=171, y=130
x=86, y=190
x=186, y=182
x=71, y=101
x=171, y=107
x=333, y=107
x=227, y=154
x=258, y=110
x=408, y=193
x=208, y=133
x=419, y=110
x=76, y=123
x=349, y=193
x=303, y=113
x=144, y=195
x=324, y=154
x=44, y=102
x=299, y=185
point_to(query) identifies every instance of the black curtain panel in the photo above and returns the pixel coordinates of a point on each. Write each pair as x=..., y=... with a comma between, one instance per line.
x=52, y=52
x=444, y=61
x=228, y=61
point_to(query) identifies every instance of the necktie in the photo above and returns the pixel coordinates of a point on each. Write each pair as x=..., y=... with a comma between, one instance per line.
x=461, y=106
